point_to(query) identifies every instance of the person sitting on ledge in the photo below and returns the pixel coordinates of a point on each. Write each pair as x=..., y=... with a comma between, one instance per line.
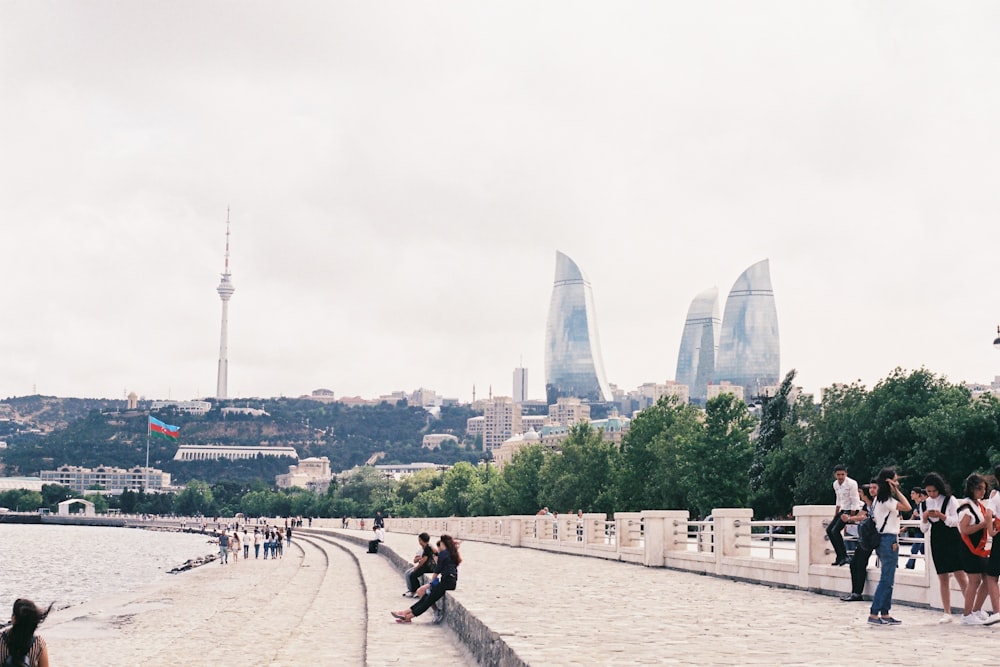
x=445, y=579
x=19, y=645
x=379, y=538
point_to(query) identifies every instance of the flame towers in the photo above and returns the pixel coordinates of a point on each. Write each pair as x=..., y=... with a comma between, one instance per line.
x=225, y=290
x=573, y=364
x=749, y=351
x=699, y=344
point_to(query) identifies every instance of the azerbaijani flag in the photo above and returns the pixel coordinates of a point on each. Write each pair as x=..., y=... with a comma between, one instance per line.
x=162, y=429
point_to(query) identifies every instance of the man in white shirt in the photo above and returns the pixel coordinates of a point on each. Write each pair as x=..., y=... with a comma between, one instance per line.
x=848, y=502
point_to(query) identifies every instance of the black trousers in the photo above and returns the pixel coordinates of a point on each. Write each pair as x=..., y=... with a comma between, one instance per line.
x=859, y=569
x=433, y=595
x=413, y=580
x=835, y=531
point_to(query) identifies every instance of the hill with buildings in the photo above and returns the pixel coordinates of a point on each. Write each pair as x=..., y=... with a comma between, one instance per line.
x=47, y=432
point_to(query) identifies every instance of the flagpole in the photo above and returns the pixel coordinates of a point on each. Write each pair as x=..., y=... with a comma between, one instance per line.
x=147, y=453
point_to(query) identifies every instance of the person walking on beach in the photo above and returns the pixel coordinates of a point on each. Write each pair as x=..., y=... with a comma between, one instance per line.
x=19, y=645
x=246, y=544
x=445, y=579
x=223, y=547
x=279, y=551
x=234, y=546
x=889, y=502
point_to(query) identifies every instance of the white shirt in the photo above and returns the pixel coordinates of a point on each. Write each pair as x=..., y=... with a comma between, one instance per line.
x=971, y=509
x=882, y=509
x=848, y=498
x=950, y=513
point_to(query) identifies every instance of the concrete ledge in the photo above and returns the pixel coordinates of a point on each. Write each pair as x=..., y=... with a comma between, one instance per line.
x=487, y=646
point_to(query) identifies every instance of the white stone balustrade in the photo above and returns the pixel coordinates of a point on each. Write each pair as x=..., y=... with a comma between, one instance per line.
x=723, y=546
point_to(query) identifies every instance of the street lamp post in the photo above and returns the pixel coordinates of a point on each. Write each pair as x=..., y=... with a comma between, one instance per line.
x=996, y=341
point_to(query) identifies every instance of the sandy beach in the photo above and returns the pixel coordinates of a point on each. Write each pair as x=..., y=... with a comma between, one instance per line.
x=309, y=608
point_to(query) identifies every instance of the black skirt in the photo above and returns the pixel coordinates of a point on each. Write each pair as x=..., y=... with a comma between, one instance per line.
x=946, y=548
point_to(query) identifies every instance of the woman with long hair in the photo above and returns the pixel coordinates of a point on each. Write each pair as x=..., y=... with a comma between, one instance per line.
x=19, y=642
x=859, y=561
x=889, y=502
x=939, y=518
x=974, y=520
x=445, y=579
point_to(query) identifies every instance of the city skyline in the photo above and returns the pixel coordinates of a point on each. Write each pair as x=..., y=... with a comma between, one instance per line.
x=398, y=191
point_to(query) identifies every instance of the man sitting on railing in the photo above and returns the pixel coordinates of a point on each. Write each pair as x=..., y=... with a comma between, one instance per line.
x=848, y=502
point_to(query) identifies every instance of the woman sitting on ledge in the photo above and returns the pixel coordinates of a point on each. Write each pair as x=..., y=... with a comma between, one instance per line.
x=445, y=579
x=19, y=644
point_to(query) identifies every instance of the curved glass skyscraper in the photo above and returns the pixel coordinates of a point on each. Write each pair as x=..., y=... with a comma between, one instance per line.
x=573, y=364
x=699, y=344
x=749, y=351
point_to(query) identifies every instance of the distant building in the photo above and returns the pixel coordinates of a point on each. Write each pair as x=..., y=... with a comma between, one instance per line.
x=568, y=411
x=475, y=426
x=321, y=396
x=573, y=363
x=700, y=344
x=253, y=412
x=311, y=473
x=503, y=419
x=133, y=400
x=520, y=385
x=749, y=347
x=399, y=471
x=424, y=398
x=213, y=452
x=109, y=479
x=184, y=407
x=21, y=483
x=725, y=388
x=504, y=454
x=434, y=440
x=533, y=422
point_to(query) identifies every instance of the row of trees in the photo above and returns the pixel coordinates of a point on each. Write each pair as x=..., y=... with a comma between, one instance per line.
x=673, y=457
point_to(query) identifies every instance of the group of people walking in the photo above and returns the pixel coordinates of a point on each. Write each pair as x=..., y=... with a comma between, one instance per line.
x=270, y=538
x=958, y=529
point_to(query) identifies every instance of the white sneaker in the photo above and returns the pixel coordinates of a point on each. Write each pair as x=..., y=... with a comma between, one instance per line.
x=972, y=619
x=945, y=619
x=991, y=619
x=981, y=614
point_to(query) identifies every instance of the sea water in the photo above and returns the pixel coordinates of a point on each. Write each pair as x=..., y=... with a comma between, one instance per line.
x=69, y=565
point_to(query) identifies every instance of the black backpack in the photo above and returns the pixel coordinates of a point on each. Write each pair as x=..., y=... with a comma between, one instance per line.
x=868, y=535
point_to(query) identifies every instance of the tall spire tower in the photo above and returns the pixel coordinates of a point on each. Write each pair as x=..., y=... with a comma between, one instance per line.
x=225, y=290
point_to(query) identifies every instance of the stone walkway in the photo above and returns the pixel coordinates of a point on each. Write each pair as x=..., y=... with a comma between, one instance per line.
x=557, y=609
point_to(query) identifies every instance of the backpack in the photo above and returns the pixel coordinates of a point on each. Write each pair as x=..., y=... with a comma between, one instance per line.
x=868, y=535
x=25, y=661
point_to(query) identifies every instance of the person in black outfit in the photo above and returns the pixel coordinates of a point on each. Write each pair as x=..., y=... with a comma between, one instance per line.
x=859, y=561
x=422, y=566
x=445, y=579
x=379, y=521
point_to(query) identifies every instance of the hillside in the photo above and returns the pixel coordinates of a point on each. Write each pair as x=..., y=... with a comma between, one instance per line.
x=347, y=435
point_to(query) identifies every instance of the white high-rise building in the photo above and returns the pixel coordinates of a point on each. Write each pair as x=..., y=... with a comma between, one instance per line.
x=225, y=290
x=520, y=385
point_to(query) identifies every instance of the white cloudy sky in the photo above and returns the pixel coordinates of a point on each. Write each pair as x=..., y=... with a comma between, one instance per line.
x=402, y=173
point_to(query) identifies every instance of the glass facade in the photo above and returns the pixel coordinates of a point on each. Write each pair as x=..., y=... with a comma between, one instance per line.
x=573, y=364
x=699, y=345
x=749, y=350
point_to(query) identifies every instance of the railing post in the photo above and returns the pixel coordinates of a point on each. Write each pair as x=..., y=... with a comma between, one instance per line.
x=811, y=543
x=515, y=531
x=730, y=539
x=658, y=528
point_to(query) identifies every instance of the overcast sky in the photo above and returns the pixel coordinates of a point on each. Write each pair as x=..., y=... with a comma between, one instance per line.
x=401, y=174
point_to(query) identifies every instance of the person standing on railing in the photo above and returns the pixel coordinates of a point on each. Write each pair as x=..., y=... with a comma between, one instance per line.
x=859, y=561
x=889, y=502
x=848, y=502
x=939, y=519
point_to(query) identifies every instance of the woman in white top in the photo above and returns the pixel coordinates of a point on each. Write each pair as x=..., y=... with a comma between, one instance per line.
x=939, y=519
x=974, y=521
x=889, y=502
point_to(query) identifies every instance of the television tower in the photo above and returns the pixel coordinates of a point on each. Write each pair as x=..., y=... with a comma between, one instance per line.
x=225, y=290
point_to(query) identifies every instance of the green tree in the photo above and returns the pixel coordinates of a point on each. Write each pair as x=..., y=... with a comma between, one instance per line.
x=651, y=456
x=517, y=492
x=196, y=498
x=582, y=474
x=714, y=468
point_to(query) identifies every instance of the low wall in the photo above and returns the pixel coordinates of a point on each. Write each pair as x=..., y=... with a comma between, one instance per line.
x=729, y=545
